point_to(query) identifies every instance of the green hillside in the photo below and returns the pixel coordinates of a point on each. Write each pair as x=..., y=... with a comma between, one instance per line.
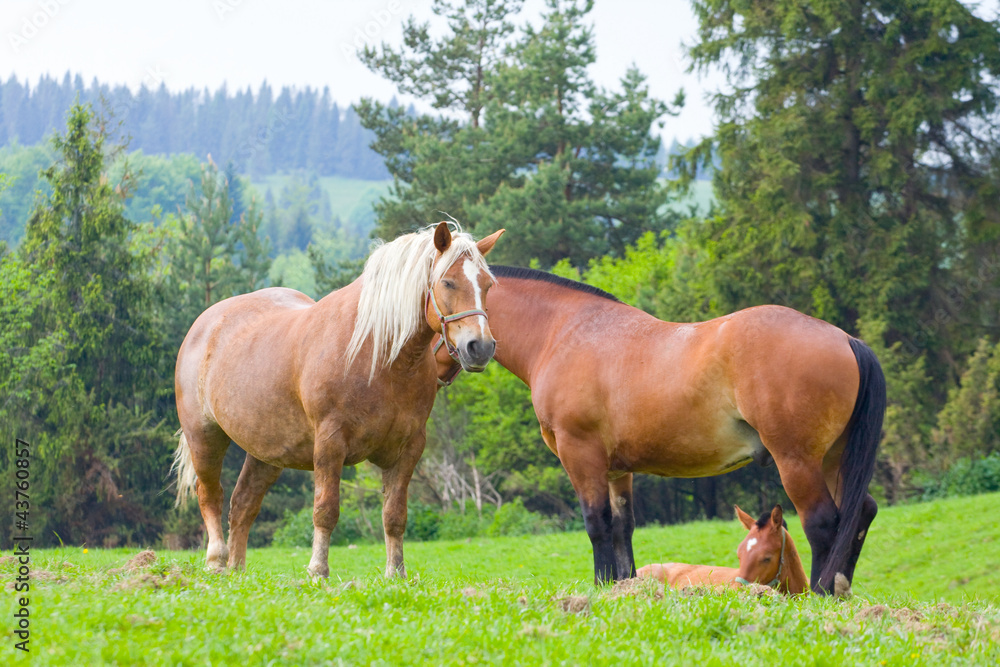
x=926, y=592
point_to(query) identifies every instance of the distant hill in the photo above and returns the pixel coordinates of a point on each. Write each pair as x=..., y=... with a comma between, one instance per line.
x=260, y=132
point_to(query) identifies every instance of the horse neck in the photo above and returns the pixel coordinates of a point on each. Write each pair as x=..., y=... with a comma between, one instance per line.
x=793, y=579
x=523, y=314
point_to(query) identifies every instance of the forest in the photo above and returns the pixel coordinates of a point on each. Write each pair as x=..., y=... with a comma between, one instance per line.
x=855, y=170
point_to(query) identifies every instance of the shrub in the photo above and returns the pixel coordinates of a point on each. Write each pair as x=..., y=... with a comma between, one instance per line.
x=514, y=518
x=967, y=477
x=296, y=529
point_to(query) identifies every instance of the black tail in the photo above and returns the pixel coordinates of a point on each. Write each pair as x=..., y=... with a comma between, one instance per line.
x=858, y=461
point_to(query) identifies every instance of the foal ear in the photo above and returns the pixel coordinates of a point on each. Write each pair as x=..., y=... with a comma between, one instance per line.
x=442, y=237
x=744, y=518
x=776, y=516
x=486, y=244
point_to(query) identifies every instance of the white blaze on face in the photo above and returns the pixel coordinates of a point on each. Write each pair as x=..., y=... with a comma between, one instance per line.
x=751, y=543
x=471, y=272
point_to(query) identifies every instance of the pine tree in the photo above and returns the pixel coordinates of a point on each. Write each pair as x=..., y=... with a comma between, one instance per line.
x=568, y=169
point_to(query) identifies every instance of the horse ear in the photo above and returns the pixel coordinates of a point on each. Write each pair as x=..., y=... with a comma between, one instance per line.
x=776, y=518
x=486, y=244
x=442, y=237
x=744, y=518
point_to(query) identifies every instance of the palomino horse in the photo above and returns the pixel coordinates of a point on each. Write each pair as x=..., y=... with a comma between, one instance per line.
x=320, y=385
x=618, y=391
x=767, y=556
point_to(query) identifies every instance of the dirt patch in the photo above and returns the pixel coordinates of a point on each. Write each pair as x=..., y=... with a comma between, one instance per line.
x=574, y=604
x=759, y=591
x=152, y=581
x=906, y=615
x=471, y=592
x=875, y=611
x=139, y=561
x=643, y=588
x=42, y=575
x=8, y=559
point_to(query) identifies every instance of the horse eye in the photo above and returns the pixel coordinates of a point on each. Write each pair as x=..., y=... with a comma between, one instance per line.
x=448, y=284
x=766, y=559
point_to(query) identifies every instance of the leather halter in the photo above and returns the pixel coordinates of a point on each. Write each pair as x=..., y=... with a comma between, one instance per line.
x=452, y=351
x=781, y=565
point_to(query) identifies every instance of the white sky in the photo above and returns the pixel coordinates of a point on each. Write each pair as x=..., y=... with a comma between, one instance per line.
x=204, y=43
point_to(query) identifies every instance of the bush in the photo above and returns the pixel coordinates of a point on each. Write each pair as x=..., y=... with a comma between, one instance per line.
x=514, y=518
x=423, y=522
x=296, y=529
x=967, y=477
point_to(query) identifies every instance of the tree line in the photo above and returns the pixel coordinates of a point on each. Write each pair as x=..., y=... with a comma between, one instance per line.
x=855, y=174
x=260, y=133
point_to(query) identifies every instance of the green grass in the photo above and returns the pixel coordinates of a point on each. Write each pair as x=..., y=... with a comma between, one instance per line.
x=527, y=600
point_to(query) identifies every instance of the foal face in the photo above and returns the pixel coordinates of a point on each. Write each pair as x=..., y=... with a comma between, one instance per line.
x=760, y=550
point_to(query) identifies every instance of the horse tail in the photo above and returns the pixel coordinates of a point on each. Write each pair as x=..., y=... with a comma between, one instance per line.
x=183, y=465
x=858, y=461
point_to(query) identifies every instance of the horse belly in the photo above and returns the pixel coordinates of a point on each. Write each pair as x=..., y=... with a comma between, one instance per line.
x=701, y=452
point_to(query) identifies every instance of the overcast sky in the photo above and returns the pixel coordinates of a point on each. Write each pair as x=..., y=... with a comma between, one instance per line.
x=304, y=42
x=204, y=43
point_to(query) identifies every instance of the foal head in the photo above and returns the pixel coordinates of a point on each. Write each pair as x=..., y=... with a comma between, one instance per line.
x=764, y=551
x=456, y=297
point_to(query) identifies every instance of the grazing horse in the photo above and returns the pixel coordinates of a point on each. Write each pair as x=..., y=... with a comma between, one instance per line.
x=767, y=556
x=618, y=391
x=320, y=385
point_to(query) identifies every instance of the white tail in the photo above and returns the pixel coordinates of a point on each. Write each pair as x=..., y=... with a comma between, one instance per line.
x=184, y=465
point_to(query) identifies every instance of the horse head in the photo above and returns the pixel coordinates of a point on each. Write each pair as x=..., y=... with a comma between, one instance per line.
x=455, y=303
x=762, y=552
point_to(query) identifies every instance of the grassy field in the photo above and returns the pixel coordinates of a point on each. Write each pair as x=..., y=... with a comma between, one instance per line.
x=926, y=592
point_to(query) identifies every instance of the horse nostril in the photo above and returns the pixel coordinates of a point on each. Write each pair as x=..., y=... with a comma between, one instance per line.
x=473, y=348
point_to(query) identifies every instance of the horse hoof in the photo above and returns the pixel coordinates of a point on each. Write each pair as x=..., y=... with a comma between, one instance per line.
x=318, y=572
x=395, y=572
x=841, y=586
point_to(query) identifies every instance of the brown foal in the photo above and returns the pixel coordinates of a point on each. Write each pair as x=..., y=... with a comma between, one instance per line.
x=767, y=556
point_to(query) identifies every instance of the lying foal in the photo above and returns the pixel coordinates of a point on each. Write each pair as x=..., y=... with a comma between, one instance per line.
x=767, y=556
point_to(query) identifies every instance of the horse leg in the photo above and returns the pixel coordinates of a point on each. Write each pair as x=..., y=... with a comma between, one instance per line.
x=622, y=524
x=806, y=487
x=208, y=449
x=831, y=469
x=587, y=468
x=255, y=479
x=395, y=482
x=328, y=463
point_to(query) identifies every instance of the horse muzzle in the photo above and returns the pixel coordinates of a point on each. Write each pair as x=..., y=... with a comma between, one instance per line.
x=475, y=354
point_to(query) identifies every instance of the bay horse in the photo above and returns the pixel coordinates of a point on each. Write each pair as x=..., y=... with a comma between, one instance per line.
x=617, y=391
x=317, y=385
x=767, y=556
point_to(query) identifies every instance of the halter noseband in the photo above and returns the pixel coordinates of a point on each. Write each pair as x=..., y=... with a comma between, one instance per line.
x=781, y=566
x=452, y=351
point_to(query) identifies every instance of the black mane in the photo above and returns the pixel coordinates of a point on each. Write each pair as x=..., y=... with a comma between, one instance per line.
x=531, y=274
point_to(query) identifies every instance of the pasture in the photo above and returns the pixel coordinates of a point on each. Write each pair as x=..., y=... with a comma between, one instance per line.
x=927, y=591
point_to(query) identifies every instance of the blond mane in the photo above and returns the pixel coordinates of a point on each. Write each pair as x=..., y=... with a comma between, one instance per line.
x=394, y=286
